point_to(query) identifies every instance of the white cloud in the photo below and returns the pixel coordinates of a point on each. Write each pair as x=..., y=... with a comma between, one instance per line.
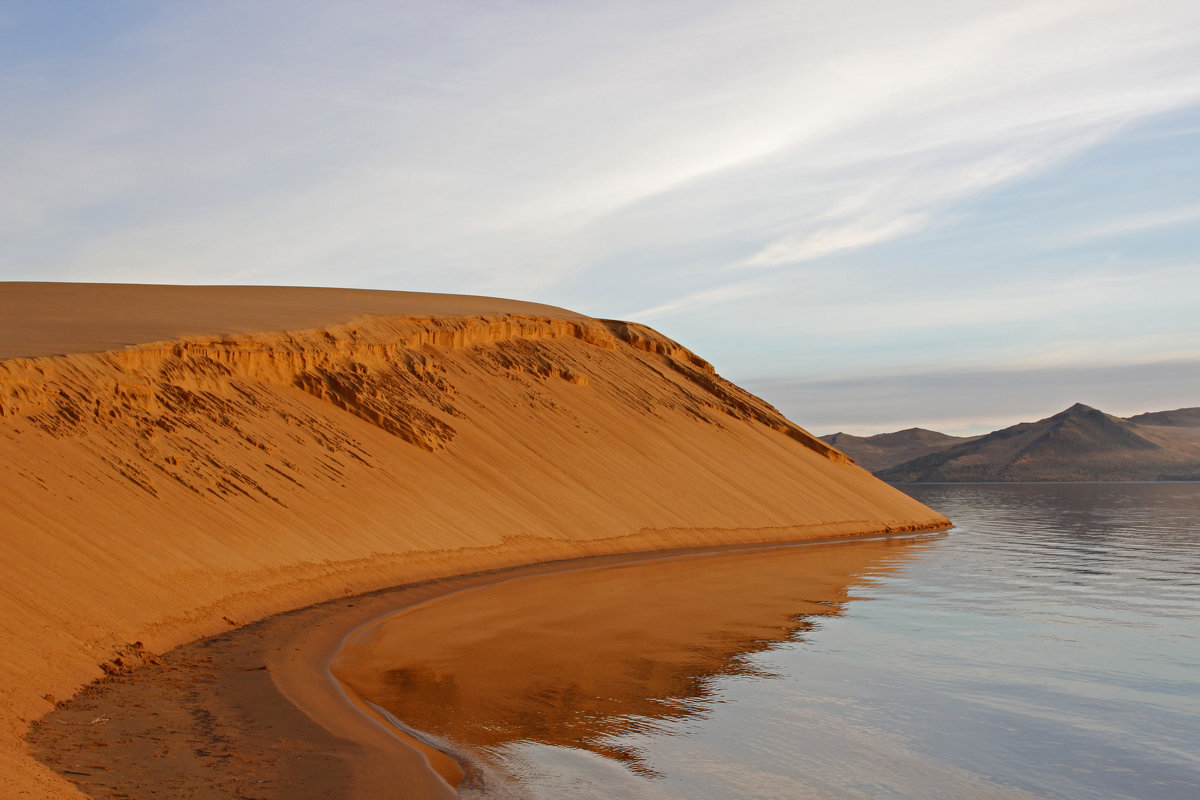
x=696, y=300
x=505, y=139
x=835, y=239
x=534, y=149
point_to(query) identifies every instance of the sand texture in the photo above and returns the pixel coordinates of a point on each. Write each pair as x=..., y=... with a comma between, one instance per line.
x=164, y=476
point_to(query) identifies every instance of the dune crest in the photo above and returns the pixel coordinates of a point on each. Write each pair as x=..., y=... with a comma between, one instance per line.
x=164, y=491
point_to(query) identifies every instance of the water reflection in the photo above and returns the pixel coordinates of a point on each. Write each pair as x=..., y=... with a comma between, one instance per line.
x=592, y=659
x=1046, y=648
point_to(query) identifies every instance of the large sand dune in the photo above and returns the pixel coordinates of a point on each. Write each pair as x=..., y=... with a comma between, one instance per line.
x=174, y=460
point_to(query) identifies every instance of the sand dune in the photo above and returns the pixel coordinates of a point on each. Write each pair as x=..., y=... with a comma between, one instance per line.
x=176, y=460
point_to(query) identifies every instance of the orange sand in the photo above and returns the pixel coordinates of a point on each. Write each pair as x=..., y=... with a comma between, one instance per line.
x=292, y=445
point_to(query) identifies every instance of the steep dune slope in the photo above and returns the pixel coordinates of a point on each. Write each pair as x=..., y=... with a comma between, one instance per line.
x=163, y=491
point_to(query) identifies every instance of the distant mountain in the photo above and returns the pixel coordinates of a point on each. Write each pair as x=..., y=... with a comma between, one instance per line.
x=1179, y=418
x=1079, y=444
x=886, y=450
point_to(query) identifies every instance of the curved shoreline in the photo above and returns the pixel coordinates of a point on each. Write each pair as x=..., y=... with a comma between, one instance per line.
x=260, y=708
x=455, y=768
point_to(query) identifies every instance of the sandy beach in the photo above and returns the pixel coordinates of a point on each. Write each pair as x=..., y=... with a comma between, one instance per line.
x=180, y=461
x=256, y=712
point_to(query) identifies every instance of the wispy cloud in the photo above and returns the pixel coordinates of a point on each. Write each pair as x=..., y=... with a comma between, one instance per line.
x=697, y=300
x=835, y=239
x=618, y=157
x=1138, y=223
x=471, y=142
x=1017, y=301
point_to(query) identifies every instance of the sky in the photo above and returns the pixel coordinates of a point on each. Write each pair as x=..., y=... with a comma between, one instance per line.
x=876, y=215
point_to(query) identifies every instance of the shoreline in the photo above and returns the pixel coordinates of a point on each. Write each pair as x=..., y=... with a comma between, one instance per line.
x=259, y=709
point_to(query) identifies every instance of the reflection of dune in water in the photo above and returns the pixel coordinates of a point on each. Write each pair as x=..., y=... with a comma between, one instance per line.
x=577, y=659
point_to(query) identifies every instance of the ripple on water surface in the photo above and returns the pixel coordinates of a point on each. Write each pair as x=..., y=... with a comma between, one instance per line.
x=1048, y=647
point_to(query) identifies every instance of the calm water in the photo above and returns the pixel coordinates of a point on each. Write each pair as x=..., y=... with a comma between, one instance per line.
x=1047, y=647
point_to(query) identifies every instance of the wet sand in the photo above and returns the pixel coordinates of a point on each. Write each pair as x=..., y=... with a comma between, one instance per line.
x=256, y=712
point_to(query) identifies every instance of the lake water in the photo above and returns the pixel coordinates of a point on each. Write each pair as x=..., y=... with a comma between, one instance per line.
x=1048, y=647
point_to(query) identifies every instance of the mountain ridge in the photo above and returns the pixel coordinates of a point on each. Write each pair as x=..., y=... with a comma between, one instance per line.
x=885, y=450
x=1080, y=443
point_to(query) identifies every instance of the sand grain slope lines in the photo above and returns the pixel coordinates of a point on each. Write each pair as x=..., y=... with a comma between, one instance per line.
x=169, y=488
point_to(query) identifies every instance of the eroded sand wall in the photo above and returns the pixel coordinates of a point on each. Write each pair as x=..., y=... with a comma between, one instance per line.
x=152, y=495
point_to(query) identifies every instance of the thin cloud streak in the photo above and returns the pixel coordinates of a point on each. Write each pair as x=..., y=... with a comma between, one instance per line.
x=697, y=300
x=835, y=239
x=1139, y=223
x=1015, y=302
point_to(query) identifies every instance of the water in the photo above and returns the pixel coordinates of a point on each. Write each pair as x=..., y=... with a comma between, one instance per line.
x=1048, y=647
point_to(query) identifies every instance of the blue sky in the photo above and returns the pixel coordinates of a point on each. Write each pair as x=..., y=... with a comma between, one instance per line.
x=875, y=214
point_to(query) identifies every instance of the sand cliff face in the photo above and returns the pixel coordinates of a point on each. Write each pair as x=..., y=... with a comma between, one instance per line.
x=157, y=493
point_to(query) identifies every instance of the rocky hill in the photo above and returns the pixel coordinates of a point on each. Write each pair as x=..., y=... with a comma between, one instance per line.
x=885, y=450
x=1078, y=444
